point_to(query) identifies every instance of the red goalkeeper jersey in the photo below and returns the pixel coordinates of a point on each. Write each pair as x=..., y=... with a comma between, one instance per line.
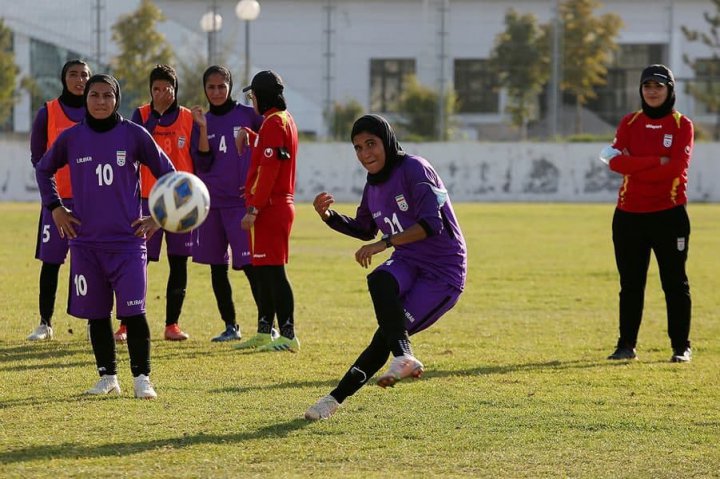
x=647, y=184
x=271, y=179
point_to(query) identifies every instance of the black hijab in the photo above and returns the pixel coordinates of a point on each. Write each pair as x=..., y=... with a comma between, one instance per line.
x=663, y=75
x=114, y=118
x=229, y=104
x=394, y=154
x=268, y=87
x=67, y=97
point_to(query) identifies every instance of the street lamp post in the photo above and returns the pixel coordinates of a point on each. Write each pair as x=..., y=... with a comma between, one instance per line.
x=211, y=23
x=247, y=11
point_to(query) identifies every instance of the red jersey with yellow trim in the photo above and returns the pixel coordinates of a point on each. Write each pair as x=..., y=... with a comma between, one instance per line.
x=174, y=139
x=58, y=122
x=647, y=184
x=271, y=179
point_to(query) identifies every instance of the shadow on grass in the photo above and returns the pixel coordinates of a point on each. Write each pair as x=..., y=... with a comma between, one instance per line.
x=432, y=374
x=48, y=350
x=43, y=452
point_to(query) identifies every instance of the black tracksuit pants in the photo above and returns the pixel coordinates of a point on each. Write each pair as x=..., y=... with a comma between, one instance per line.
x=667, y=234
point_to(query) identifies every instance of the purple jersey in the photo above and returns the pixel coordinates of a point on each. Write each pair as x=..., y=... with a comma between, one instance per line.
x=223, y=170
x=39, y=134
x=104, y=172
x=414, y=193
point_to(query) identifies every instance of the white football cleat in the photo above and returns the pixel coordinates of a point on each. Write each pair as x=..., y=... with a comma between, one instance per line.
x=401, y=367
x=144, y=388
x=107, y=384
x=323, y=409
x=42, y=333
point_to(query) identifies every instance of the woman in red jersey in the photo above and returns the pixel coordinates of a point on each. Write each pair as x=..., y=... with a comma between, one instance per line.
x=652, y=149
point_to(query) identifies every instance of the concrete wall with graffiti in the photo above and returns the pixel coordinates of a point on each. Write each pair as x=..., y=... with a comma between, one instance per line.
x=471, y=171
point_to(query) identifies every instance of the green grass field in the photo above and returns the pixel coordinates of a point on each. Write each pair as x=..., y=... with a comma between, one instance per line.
x=516, y=381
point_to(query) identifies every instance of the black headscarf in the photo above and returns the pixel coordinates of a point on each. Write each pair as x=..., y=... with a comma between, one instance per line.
x=165, y=73
x=67, y=97
x=114, y=118
x=229, y=103
x=268, y=87
x=394, y=154
x=660, y=74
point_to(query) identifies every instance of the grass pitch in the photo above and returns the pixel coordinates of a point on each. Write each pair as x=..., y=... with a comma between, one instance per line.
x=516, y=381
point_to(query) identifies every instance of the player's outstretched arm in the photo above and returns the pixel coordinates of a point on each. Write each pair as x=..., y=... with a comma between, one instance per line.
x=322, y=203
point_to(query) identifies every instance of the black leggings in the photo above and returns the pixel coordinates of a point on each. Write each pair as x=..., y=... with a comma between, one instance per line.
x=391, y=335
x=275, y=297
x=176, y=288
x=667, y=234
x=138, y=342
x=48, y=290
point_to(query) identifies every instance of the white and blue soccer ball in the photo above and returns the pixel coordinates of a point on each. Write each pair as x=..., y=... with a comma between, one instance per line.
x=179, y=202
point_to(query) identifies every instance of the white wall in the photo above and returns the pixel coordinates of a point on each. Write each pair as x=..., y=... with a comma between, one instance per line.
x=471, y=171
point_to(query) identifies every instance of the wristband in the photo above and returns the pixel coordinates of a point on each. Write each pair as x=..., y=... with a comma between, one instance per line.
x=387, y=238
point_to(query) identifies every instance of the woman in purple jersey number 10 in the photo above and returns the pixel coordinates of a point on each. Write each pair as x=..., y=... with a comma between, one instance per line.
x=106, y=229
x=406, y=201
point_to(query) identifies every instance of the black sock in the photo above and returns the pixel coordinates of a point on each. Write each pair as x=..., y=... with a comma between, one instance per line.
x=389, y=311
x=223, y=292
x=275, y=280
x=176, y=287
x=366, y=365
x=264, y=304
x=103, y=344
x=138, y=342
x=48, y=289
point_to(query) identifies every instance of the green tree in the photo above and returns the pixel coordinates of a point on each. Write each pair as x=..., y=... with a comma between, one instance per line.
x=418, y=106
x=190, y=88
x=341, y=118
x=520, y=62
x=141, y=48
x=706, y=87
x=8, y=73
x=588, y=42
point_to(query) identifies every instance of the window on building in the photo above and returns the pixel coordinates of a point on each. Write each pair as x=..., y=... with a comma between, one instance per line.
x=621, y=94
x=387, y=82
x=705, y=88
x=476, y=89
x=46, y=62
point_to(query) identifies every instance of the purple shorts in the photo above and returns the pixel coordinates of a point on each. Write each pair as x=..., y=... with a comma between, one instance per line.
x=178, y=244
x=424, y=296
x=50, y=247
x=220, y=229
x=96, y=274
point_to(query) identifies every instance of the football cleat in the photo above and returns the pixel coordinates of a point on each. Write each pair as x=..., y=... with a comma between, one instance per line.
x=401, y=367
x=42, y=333
x=231, y=333
x=121, y=334
x=623, y=351
x=144, y=388
x=260, y=339
x=107, y=384
x=322, y=409
x=174, y=333
x=281, y=344
x=681, y=355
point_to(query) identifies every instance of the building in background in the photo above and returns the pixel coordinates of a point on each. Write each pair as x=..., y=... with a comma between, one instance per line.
x=340, y=50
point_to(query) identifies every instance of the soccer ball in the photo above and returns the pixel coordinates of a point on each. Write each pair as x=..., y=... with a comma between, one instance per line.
x=179, y=202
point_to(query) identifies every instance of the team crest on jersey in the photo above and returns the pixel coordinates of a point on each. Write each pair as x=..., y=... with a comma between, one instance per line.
x=120, y=157
x=268, y=152
x=181, y=141
x=667, y=141
x=402, y=204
